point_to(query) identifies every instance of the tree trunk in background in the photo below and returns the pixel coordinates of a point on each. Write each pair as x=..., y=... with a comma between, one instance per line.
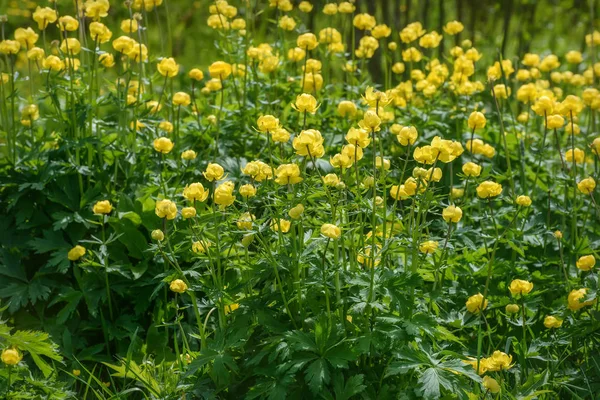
x=473, y=18
x=459, y=17
x=442, y=21
x=508, y=9
x=425, y=14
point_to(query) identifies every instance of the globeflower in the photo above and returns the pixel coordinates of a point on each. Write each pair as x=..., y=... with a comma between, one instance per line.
x=309, y=143
x=280, y=225
x=267, y=123
x=258, y=170
x=223, y=195
x=428, y=247
x=44, y=16
x=586, y=263
x=499, y=361
x=407, y=136
x=305, y=103
x=181, y=99
x=166, y=209
x=76, y=253
x=178, y=286
x=476, y=120
x=578, y=154
x=476, y=303
x=163, y=145
x=453, y=28
x=307, y=41
x=370, y=122
x=213, y=172
x=488, y=189
x=452, y=214
x=519, y=286
x=219, y=70
x=102, y=207
x=288, y=174
x=200, y=247
x=167, y=67
x=491, y=385
x=471, y=169
x=11, y=356
x=552, y=322
x=331, y=231
x=364, y=21
x=587, y=185
x=195, y=192
x=575, y=297
x=523, y=201
x=358, y=137
x=247, y=191
x=375, y=98
x=346, y=108
x=188, y=212
x=296, y=211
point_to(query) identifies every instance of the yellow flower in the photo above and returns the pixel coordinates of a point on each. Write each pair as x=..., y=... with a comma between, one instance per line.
x=488, y=189
x=555, y=121
x=219, y=70
x=213, y=172
x=76, y=253
x=358, y=137
x=552, y=322
x=476, y=303
x=223, y=195
x=452, y=214
x=195, y=192
x=575, y=297
x=26, y=37
x=196, y=74
x=491, y=385
x=44, y=16
x=107, y=60
x=309, y=143
x=280, y=135
x=102, y=207
x=280, y=225
x=519, y=286
x=305, y=103
x=229, y=308
x=181, y=99
x=168, y=67
x=188, y=212
x=425, y=154
x=200, y=247
x=523, y=201
x=188, y=155
x=331, y=180
x=331, y=231
x=375, y=98
x=428, y=247
x=129, y=25
x=296, y=211
x=411, y=55
x=96, y=9
x=346, y=108
x=296, y=54
x=457, y=193
x=407, y=135
x=364, y=21
x=247, y=191
x=165, y=126
x=9, y=47
x=499, y=361
x=245, y=221
x=258, y=170
x=587, y=185
x=453, y=27
x=76, y=372
x=166, y=209
x=68, y=23
x=100, y=32
x=11, y=356
x=157, y=235
x=163, y=145
x=512, y=308
x=178, y=286
x=267, y=123
x=430, y=40
x=364, y=257
x=586, y=263
x=381, y=31
x=288, y=174
x=579, y=155
x=471, y=169
x=447, y=150
x=476, y=120
x=36, y=54
x=370, y=122
x=307, y=41
x=286, y=23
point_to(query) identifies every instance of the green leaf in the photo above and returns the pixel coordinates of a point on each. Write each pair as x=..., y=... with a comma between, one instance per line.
x=317, y=375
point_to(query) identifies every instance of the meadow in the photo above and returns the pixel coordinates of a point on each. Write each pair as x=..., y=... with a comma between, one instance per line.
x=272, y=199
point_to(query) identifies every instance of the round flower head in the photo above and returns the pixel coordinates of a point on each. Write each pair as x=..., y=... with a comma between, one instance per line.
x=166, y=209
x=195, y=192
x=305, y=103
x=491, y=385
x=296, y=211
x=331, y=231
x=219, y=70
x=168, y=67
x=280, y=225
x=428, y=247
x=587, y=185
x=452, y=214
x=476, y=120
x=163, y=145
x=307, y=41
x=11, y=357
x=157, y=235
x=512, y=308
x=586, y=263
x=76, y=253
x=213, y=172
x=471, y=169
x=267, y=123
x=575, y=299
x=519, y=286
x=523, y=201
x=476, y=303
x=178, y=286
x=488, y=189
x=102, y=207
x=552, y=322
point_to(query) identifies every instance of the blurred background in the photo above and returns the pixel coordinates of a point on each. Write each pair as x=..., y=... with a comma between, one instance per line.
x=509, y=26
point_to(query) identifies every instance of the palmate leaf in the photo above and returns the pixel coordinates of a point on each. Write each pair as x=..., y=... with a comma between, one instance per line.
x=317, y=374
x=36, y=343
